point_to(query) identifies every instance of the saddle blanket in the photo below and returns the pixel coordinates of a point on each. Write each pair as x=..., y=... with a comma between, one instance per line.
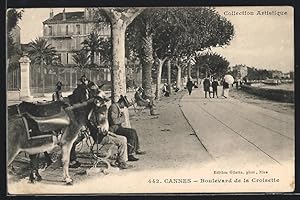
x=33, y=132
x=41, y=119
x=38, y=127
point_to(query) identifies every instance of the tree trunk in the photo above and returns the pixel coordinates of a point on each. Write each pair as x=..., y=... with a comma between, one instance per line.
x=197, y=73
x=158, y=77
x=119, y=21
x=43, y=76
x=147, y=62
x=189, y=70
x=178, y=82
x=169, y=74
x=118, y=68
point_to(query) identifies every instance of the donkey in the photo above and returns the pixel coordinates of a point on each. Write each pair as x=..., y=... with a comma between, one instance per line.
x=77, y=114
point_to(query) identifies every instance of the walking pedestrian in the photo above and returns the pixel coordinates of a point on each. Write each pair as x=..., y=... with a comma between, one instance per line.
x=215, y=87
x=206, y=85
x=189, y=86
x=225, y=89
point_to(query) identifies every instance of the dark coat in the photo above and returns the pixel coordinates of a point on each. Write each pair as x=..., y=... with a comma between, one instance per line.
x=138, y=96
x=215, y=85
x=206, y=84
x=80, y=94
x=225, y=85
x=189, y=85
x=115, y=117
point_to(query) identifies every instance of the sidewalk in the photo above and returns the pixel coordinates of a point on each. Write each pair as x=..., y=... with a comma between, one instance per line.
x=168, y=139
x=48, y=97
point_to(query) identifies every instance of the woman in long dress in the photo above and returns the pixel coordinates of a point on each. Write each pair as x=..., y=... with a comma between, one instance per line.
x=225, y=89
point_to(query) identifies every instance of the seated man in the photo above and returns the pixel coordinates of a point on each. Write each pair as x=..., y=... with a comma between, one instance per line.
x=103, y=137
x=115, y=119
x=166, y=90
x=140, y=100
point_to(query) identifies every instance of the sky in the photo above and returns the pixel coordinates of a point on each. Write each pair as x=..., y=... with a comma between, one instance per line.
x=261, y=41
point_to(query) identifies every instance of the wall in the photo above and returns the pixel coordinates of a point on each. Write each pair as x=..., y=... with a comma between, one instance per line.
x=13, y=95
x=272, y=94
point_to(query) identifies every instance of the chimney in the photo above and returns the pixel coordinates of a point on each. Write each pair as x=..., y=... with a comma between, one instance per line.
x=51, y=13
x=64, y=14
x=86, y=14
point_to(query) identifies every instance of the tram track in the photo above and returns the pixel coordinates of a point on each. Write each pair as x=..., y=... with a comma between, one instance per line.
x=258, y=124
x=239, y=134
x=262, y=113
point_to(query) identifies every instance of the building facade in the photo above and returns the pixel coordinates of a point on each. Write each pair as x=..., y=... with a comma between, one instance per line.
x=66, y=31
x=277, y=74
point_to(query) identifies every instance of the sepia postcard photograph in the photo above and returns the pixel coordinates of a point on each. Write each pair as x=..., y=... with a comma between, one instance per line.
x=135, y=100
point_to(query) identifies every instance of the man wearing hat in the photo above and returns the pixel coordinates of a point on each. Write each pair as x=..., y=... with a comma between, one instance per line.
x=107, y=137
x=81, y=93
x=116, y=118
x=139, y=98
x=58, y=93
x=166, y=90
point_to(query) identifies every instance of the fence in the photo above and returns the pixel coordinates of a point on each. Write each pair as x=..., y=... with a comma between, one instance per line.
x=69, y=76
x=14, y=79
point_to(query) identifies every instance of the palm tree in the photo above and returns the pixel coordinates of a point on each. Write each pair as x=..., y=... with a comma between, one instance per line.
x=92, y=44
x=41, y=53
x=80, y=59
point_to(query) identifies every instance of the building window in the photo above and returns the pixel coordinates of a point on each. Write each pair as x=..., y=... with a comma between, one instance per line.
x=78, y=29
x=59, y=44
x=69, y=44
x=67, y=30
x=50, y=30
x=67, y=58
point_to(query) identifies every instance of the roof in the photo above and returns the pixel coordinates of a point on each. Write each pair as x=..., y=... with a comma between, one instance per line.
x=70, y=16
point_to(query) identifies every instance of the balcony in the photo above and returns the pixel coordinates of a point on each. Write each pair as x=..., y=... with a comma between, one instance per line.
x=59, y=37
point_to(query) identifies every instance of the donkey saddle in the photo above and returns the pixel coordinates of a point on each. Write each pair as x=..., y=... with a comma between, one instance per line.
x=44, y=117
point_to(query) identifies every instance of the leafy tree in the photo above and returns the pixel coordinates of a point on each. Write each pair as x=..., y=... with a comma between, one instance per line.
x=13, y=17
x=92, y=45
x=212, y=64
x=258, y=74
x=81, y=59
x=41, y=53
x=140, y=40
x=105, y=49
x=188, y=30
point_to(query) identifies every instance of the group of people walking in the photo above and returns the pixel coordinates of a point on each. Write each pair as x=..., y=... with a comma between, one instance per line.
x=210, y=87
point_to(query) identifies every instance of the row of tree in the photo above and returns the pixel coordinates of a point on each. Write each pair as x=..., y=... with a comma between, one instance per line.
x=154, y=37
x=163, y=35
